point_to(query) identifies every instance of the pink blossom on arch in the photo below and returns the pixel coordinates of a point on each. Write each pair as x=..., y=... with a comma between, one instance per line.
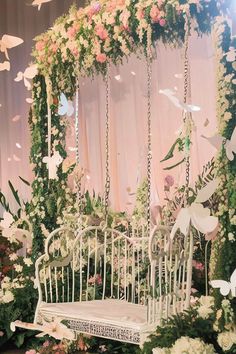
x=40, y=45
x=101, y=57
x=162, y=22
x=71, y=32
x=155, y=13
x=101, y=32
x=54, y=47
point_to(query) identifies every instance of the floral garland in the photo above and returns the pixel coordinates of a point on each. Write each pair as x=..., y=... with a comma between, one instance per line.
x=223, y=260
x=84, y=40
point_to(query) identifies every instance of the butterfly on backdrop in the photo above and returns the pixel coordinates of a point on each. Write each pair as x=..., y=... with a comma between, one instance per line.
x=8, y=42
x=39, y=3
x=186, y=107
x=5, y=66
x=29, y=73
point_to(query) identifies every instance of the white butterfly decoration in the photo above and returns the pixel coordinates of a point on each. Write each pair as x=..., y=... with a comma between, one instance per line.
x=65, y=106
x=53, y=162
x=12, y=232
x=7, y=220
x=225, y=286
x=39, y=3
x=5, y=66
x=230, y=145
x=186, y=107
x=196, y=214
x=8, y=42
x=29, y=73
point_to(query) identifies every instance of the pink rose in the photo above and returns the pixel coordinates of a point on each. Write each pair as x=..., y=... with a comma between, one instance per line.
x=75, y=51
x=1, y=333
x=155, y=13
x=40, y=45
x=46, y=344
x=169, y=180
x=101, y=57
x=162, y=22
x=101, y=32
x=71, y=32
x=198, y=265
x=31, y=351
x=54, y=47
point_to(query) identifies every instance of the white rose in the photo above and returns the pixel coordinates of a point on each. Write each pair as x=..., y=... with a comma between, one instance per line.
x=225, y=340
x=8, y=297
x=204, y=311
x=207, y=301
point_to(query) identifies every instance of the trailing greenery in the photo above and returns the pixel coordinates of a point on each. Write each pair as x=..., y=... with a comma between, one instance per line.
x=49, y=197
x=223, y=257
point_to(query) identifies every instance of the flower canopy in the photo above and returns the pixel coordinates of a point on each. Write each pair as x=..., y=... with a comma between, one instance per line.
x=84, y=40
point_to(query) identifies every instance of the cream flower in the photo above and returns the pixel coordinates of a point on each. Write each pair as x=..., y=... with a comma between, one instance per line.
x=28, y=261
x=186, y=345
x=6, y=296
x=226, y=340
x=18, y=268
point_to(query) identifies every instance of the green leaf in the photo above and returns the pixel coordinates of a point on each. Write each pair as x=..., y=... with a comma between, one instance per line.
x=173, y=166
x=19, y=339
x=15, y=193
x=170, y=153
x=24, y=181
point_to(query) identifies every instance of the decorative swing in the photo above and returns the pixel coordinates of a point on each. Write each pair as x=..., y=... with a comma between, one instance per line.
x=108, y=283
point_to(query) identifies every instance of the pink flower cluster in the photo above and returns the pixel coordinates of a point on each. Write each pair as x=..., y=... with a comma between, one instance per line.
x=198, y=265
x=101, y=32
x=96, y=279
x=157, y=16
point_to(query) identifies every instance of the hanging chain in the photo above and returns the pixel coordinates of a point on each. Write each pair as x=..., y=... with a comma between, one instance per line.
x=149, y=153
x=187, y=116
x=107, y=181
x=78, y=178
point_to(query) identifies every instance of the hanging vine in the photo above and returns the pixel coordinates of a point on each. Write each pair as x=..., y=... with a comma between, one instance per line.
x=223, y=259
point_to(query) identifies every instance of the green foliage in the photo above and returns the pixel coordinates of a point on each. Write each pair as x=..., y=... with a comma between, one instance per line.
x=223, y=257
x=188, y=324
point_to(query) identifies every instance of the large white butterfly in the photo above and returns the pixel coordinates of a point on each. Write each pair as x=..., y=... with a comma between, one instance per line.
x=225, y=286
x=29, y=73
x=186, y=107
x=196, y=214
x=5, y=66
x=8, y=42
x=65, y=106
x=39, y=3
x=7, y=220
x=230, y=145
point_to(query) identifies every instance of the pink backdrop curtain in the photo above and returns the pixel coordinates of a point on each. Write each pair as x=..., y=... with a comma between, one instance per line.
x=127, y=111
x=128, y=127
